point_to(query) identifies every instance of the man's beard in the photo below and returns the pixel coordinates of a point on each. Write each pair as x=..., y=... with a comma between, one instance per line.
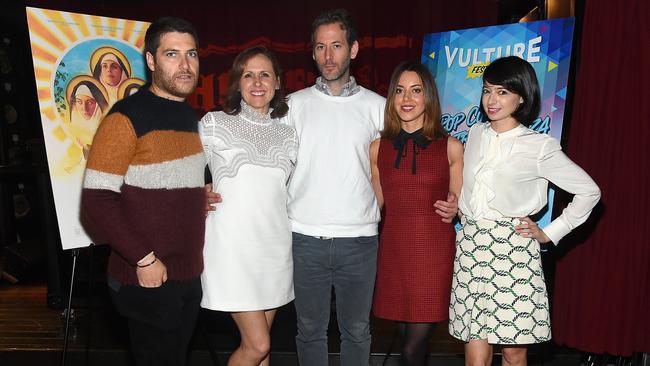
x=167, y=83
x=343, y=71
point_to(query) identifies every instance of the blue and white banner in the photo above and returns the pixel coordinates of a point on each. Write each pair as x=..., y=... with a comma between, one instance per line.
x=457, y=60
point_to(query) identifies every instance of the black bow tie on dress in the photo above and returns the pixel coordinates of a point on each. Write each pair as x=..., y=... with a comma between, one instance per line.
x=400, y=141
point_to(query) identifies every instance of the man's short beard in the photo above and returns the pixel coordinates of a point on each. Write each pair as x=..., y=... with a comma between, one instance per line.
x=167, y=84
x=341, y=74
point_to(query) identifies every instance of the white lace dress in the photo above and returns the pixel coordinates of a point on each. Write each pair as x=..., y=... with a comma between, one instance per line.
x=247, y=253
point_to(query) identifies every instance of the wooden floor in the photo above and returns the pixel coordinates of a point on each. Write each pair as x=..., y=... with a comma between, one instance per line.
x=29, y=330
x=25, y=321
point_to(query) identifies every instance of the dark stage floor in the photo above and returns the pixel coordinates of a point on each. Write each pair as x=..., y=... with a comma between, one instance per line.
x=32, y=334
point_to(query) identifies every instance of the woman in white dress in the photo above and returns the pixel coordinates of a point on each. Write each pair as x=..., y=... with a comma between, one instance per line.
x=248, y=264
x=498, y=291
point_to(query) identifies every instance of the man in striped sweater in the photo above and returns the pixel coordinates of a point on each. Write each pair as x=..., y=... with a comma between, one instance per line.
x=143, y=192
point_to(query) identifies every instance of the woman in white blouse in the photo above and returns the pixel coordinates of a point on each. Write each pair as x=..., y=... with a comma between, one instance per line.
x=498, y=290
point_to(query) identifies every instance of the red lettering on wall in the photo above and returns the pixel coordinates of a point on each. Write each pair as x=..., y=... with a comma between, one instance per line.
x=223, y=88
x=297, y=79
x=203, y=98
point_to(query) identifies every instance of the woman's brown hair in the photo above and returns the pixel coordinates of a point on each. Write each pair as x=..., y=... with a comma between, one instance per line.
x=233, y=98
x=432, y=128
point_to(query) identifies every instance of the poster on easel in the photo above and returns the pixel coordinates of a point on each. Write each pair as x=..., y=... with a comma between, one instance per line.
x=83, y=64
x=457, y=60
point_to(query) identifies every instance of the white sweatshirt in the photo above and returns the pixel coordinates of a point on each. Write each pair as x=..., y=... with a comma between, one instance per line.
x=330, y=193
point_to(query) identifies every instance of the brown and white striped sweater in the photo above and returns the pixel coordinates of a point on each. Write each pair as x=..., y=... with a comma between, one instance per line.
x=143, y=186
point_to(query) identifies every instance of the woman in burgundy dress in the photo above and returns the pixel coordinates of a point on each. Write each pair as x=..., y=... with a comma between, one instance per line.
x=417, y=176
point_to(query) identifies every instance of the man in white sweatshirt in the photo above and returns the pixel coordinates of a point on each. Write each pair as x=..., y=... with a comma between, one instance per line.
x=332, y=207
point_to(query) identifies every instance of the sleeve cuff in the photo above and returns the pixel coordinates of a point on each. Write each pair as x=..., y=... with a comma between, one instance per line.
x=556, y=230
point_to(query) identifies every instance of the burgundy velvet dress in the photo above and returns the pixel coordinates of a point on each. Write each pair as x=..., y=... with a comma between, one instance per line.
x=416, y=249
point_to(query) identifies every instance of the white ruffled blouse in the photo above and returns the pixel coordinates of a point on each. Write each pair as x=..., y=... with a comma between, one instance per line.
x=507, y=174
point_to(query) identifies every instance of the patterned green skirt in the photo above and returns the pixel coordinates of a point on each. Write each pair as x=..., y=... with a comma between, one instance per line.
x=498, y=291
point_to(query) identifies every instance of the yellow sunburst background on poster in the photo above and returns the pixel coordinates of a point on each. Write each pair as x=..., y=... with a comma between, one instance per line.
x=62, y=45
x=52, y=33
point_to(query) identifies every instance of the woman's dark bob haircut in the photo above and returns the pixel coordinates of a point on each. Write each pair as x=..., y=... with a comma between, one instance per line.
x=233, y=97
x=517, y=76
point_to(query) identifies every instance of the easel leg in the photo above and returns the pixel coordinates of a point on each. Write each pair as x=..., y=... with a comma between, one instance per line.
x=75, y=254
x=91, y=279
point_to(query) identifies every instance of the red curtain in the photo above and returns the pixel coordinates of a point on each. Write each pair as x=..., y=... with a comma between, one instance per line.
x=389, y=33
x=602, y=287
x=602, y=282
